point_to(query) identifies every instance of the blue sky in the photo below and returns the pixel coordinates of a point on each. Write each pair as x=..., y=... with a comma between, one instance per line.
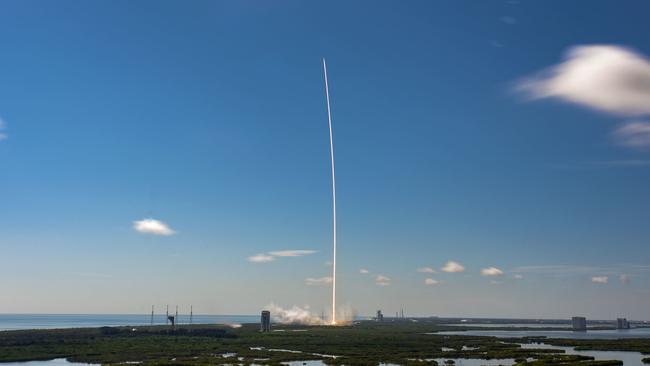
x=210, y=117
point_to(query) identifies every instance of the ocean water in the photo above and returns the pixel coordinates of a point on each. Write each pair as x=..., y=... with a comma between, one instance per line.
x=513, y=325
x=52, y=321
x=589, y=334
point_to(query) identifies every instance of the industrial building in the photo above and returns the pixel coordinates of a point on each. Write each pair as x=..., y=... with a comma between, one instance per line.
x=380, y=316
x=265, y=322
x=579, y=323
x=622, y=323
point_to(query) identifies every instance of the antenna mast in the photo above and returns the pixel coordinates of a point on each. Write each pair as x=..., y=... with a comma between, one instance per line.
x=329, y=120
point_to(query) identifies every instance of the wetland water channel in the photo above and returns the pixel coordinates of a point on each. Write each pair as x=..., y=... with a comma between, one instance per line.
x=628, y=358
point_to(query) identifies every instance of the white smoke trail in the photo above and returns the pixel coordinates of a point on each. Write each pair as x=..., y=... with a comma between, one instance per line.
x=329, y=121
x=303, y=315
x=293, y=315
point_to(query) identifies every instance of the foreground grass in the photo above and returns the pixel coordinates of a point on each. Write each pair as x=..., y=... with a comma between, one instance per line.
x=366, y=343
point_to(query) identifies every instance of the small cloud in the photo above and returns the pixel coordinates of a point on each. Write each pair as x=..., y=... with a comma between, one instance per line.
x=318, y=281
x=600, y=279
x=608, y=78
x=491, y=271
x=291, y=253
x=431, y=282
x=382, y=280
x=261, y=258
x=92, y=275
x=154, y=227
x=508, y=20
x=3, y=126
x=634, y=134
x=518, y=277
x=494, y=283
x=364, y=271
x=497, y=44
x=622, y=163
x=453, y=267
x=624, y=279
x=270, y=256
x=426, y=270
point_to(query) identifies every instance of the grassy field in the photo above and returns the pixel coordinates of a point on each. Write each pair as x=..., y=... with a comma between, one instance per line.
x=365, y=343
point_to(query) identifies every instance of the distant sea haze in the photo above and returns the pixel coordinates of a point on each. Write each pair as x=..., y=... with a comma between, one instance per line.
x=52, y=321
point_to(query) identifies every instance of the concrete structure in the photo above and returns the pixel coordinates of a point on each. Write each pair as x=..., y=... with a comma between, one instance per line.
x=265, y=322
x=380, y=316
x=579, y=323
x=622, y=323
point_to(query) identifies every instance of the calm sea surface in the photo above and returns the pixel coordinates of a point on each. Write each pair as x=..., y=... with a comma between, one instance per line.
x=51, y=321
x=590, y=334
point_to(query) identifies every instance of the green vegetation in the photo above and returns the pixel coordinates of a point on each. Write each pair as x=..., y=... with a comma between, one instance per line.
x=366, y=343
x=624, y=344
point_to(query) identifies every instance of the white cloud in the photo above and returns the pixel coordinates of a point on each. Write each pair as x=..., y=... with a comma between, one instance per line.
x=152, y=226
x=493, y=282
x=431, y=282
x=3, y=126
x=518, y=277
x=508, y=20
x=318, y=281
x=92, y=274
x=291, y=253
x=364, y=271
x=426, y=270
x=491, y=271
x=634, y=134
x=632, y=163
x=261, y=258
x=270, y=256
x=382, y=280
x=497, y=44
x=609, y=78
x=600, y=279
x=453, y=267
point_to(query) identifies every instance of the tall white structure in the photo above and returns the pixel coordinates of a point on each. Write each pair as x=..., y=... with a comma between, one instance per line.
x=329, y=120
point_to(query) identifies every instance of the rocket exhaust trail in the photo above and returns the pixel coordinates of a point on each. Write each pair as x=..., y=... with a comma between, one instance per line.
x=329, y=120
